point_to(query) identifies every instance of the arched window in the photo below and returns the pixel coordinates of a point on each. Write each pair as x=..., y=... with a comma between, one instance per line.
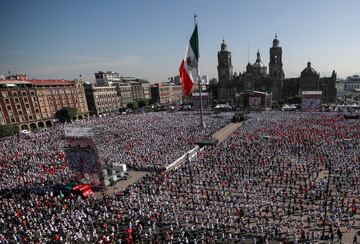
x=274, y=73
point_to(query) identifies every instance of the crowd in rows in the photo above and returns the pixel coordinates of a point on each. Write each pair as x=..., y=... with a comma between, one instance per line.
x=151, y=141
x=282, y=175
x=148, y=141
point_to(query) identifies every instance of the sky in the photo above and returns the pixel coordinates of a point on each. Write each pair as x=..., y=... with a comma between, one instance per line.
x=50, y=39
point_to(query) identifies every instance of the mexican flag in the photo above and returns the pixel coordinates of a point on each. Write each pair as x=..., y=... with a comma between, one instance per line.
x=189, y=71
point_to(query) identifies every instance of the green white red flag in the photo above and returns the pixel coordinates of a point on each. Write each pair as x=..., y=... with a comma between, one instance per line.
x=189, y=70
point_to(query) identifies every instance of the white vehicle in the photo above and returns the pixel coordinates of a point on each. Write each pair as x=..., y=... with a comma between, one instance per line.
x=25, y=132
x=223, y=107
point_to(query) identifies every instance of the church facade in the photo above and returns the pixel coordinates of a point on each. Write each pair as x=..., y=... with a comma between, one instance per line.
x=258, y=78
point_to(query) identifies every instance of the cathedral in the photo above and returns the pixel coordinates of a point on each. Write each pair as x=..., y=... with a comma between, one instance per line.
x=257, y=78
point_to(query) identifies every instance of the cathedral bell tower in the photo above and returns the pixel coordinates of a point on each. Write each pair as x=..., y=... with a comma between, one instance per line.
x=276, y=72
x=276, y=65
x=225, y=68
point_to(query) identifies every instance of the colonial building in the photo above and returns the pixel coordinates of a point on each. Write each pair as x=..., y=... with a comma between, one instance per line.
x=32, y=104
x=256, y=78
x=103, y=99
x=125, y=91
x=54, y=95
x=166, y=93
x=107, y=78
x=139, y=88
x=352, y=82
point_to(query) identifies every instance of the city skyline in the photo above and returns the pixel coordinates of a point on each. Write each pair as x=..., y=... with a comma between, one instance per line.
x=148, y=40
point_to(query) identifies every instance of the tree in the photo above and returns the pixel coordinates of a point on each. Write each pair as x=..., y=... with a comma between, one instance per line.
x=213, y=87
x=133, y=105
x=143, y=103
x=66, y=114
x=8, y=130
x=275, y=105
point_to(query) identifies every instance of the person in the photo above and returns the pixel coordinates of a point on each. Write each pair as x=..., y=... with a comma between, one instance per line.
x=355, y=239
x=339, y=234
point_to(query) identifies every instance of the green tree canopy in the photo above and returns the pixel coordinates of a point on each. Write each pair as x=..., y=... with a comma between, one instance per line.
x=213, y=87
x=143, y=103
x=66, y=114
x=275, y=105
x=8, y=130
x=133, y=105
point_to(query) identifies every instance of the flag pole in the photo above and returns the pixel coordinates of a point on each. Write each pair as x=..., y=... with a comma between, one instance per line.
x=202, y=124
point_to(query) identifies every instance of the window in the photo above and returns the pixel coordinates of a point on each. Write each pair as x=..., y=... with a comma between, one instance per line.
x=8, y=107
x=14, y=94
x=7, y=100
x=12, y=120
x=28, y=111
x=16, y=99
x=34, y=99
x=10, y=113
x=25, y=99
x=4, y=94
x=18, y=106
x=36, y=110
x=27, y=105
x=32, y=93
x=23, y=93
x=20, y=112
x=30, y=117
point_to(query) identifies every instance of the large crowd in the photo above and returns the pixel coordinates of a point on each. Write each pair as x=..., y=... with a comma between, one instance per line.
x=281, y=176
x=148, y=141
x=151, y=141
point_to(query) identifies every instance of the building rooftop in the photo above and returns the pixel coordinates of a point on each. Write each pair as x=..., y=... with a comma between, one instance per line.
x=52, y=82
x=14, y=82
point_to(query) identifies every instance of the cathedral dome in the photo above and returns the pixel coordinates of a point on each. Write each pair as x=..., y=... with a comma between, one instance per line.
x=308, y=69
x=258, y=63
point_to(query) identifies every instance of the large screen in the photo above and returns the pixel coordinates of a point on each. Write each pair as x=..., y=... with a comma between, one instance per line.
x=311, y=102
x=254, y=102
